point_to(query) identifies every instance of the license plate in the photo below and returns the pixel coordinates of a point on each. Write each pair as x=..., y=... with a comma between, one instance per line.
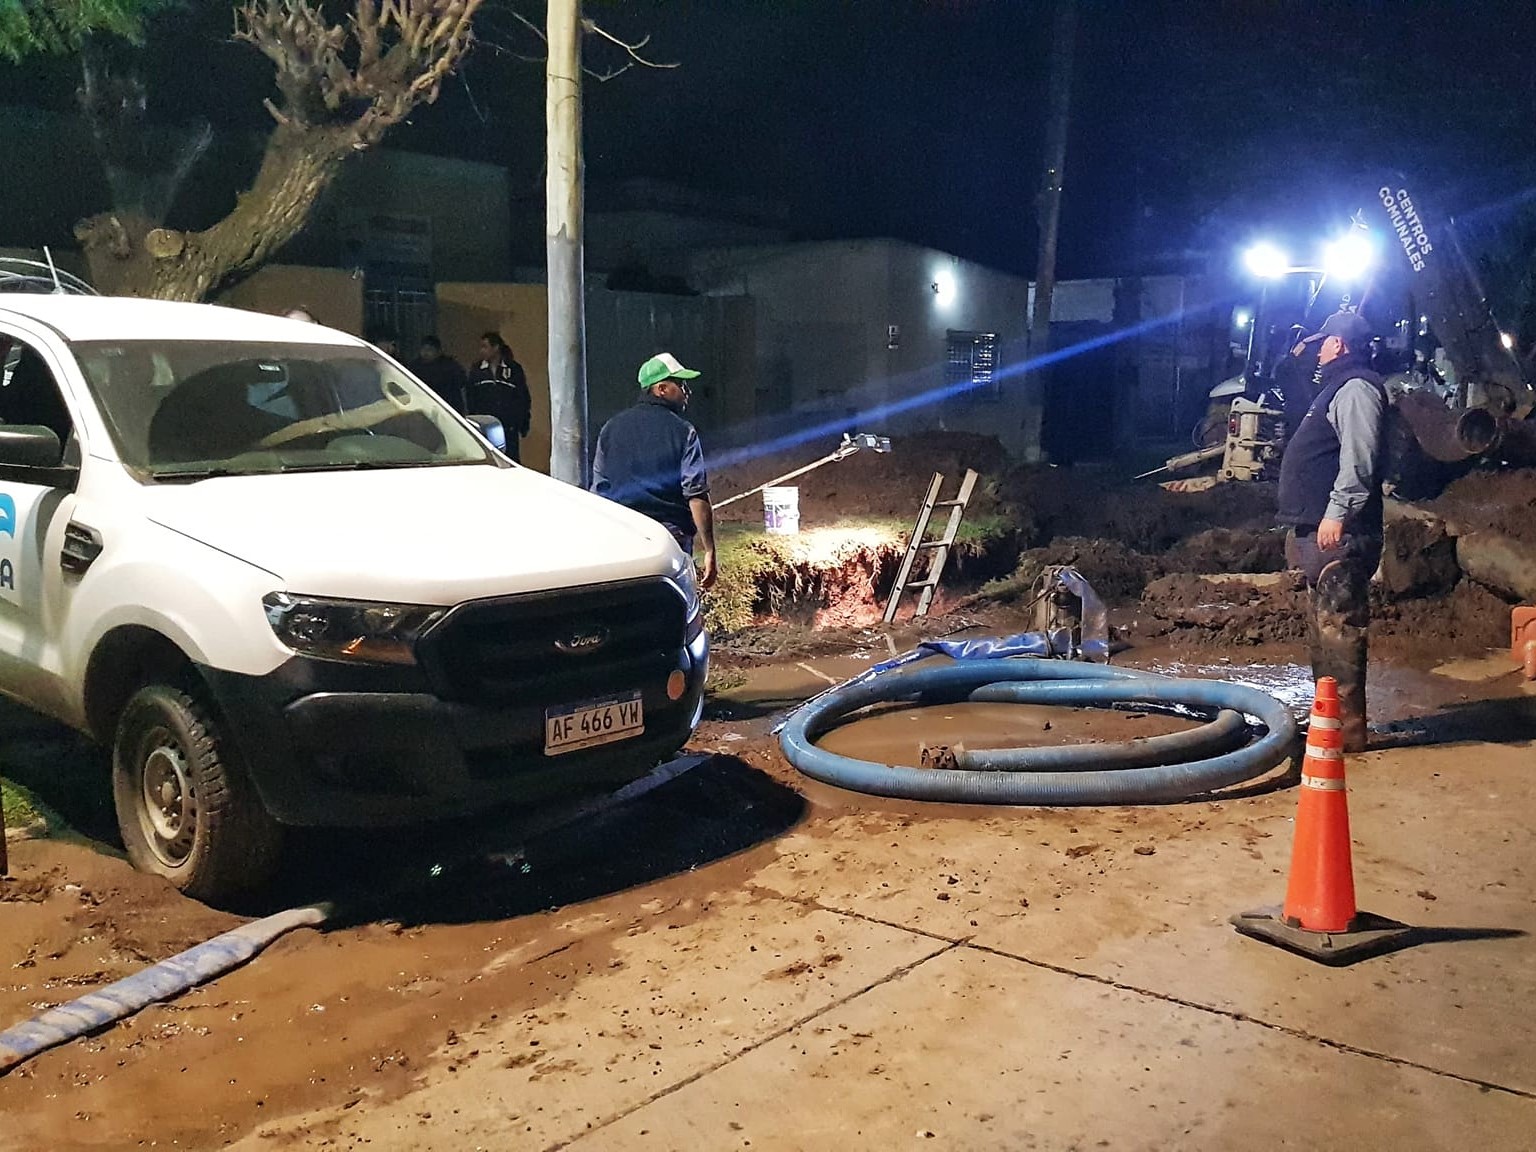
x=592, y=722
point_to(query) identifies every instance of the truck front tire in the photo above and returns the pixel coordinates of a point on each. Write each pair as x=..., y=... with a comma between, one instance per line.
x=186, y=811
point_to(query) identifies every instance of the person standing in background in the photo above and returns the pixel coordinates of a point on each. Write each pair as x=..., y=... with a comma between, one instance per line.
x=649, y=458
x=441, y=373
x=499, y=388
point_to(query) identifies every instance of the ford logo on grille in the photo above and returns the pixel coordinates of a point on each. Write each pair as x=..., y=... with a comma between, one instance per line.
x=583, y=641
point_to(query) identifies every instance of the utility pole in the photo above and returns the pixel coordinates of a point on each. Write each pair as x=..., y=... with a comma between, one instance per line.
x=563, y=246
x=1048, y=208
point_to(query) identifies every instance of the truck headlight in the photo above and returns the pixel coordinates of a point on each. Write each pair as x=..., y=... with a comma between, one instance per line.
x=693, y=606
x=355, y=630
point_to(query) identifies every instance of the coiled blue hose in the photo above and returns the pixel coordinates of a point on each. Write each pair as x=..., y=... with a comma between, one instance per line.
x=1084, y=774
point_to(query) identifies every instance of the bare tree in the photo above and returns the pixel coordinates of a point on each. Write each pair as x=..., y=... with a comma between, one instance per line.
x=341, y=87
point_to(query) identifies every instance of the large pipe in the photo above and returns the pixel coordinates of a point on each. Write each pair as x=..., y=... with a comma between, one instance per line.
x=1500, y=563
x=1446, y=434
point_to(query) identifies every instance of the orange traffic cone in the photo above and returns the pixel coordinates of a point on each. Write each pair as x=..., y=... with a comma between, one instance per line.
x=1320, y=896
x=1319, y=919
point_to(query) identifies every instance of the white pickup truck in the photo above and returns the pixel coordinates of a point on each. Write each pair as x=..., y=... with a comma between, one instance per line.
x=287, y=585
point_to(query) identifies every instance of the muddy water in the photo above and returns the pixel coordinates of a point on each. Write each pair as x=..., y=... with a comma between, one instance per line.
x=897, y=735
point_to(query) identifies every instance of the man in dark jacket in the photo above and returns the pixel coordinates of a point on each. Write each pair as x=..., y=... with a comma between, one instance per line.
x=499, y=388
x=649, y=459
x=1330, y=499
x=441, y=373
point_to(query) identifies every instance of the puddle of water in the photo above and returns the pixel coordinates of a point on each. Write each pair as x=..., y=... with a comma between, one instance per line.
x=1394, y=692
x=897, y=735
x=1291, y=684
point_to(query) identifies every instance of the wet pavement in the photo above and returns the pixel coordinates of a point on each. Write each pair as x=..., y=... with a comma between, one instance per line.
x=741, y=958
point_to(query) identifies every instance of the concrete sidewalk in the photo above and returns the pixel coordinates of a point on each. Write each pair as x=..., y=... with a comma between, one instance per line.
x=980, y=979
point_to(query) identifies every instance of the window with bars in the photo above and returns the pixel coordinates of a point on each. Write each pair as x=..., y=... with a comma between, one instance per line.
x=971, y=365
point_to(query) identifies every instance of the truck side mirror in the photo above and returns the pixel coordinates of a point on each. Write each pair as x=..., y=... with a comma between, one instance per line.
x=491, y=429
x=30, y=446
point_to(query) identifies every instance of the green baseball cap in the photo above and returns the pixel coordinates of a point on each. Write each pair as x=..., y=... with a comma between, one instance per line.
x=663, y=367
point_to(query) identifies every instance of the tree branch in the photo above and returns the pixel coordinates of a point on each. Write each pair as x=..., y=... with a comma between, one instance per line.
x=593, y=28
x=367, y=73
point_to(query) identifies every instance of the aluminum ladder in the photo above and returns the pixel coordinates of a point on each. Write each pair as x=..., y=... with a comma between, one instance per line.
x=939, y=548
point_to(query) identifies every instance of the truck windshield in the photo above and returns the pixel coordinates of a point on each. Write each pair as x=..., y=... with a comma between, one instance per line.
x=185, y=409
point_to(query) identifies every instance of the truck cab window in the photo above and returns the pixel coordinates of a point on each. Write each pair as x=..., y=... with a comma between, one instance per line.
x=29, y=394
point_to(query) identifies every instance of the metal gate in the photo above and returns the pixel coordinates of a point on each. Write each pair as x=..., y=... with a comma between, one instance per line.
x=409, y=312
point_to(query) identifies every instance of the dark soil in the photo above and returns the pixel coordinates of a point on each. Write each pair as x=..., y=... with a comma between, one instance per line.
x=1185, y=608
x=1138, y=544
x=1502, y=502
x=870, y=484
x=1142, y=516
x=1469, y=619
x=1115, y=571
x=1418, y=559
x=1228, y=550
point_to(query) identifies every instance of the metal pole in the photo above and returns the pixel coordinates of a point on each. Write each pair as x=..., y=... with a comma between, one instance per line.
x=1059, y=101
x=780, y=479
x=563, y=246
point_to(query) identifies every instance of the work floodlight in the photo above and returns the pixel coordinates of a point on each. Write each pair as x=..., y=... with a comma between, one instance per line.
x=1266, y=261
x=1349, y=257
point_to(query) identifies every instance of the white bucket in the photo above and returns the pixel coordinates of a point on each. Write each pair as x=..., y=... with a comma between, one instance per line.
x=781, y=511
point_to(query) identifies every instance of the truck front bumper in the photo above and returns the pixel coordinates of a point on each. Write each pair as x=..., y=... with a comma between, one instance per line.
x=330, y=744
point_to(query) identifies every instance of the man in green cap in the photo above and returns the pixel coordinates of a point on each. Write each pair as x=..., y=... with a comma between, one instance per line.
x=648, y=458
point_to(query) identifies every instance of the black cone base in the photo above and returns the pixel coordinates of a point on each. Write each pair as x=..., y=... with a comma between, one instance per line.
x=1368, y=936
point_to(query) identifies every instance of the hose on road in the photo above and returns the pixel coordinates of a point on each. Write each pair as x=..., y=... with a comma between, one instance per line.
x=197, y=965
x=1153, y=770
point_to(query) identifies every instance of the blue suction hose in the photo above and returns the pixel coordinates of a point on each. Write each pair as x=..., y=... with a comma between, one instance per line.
x=1154, y=770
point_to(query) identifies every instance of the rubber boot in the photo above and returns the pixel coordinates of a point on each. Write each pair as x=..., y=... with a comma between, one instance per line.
x=1337, y=637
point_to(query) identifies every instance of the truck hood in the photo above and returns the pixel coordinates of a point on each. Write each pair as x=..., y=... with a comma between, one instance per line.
x=416, y=535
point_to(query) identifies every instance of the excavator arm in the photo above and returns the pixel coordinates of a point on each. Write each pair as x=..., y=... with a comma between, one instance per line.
x=1446, y=289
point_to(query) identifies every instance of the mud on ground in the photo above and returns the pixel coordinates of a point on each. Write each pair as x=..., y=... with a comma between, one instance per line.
x=1487, y=501
x=1144, y=550
x=878, y=485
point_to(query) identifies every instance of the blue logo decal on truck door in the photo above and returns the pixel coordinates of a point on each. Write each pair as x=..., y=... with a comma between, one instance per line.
x=7, y=515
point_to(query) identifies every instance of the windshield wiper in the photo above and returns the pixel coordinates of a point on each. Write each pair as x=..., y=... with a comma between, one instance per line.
x=188, y=475
x=373, y=465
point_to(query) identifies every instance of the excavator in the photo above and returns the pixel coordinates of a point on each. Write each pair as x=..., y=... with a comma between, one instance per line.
x=1459, y=388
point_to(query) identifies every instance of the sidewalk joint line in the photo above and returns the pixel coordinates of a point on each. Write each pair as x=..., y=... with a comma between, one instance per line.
x=784, y=1030
x=1245, y=1018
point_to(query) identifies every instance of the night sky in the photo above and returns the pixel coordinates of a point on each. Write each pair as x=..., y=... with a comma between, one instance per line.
x=1195, y=124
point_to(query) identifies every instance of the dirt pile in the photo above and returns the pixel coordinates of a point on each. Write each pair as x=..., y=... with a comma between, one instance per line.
x=1502, y=502
x=874, y=485
x=1115, y=571
x=1184, y=607
x=1468, y=619
x=1141, y=515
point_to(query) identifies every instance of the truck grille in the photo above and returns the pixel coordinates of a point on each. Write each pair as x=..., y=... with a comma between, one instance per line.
x=552, y=647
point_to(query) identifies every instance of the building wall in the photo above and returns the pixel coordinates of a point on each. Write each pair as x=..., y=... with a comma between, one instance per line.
x=818, y=306
x=520, y=313
x=662, y=243
x=971, y=298
x=825, y=360
x=714, y=336
x=332, y=296
x=464, y=205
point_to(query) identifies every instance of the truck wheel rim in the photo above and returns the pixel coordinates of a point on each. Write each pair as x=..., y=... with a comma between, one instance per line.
x=169, y=807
